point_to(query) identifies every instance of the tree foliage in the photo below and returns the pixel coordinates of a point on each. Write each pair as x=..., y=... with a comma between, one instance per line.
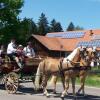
x=9, y=21
x=71, y=27
x=79, y=28
x=55, y=26
x=27, y=28
x=43, y=27
x=12, y=8
x=12, y=26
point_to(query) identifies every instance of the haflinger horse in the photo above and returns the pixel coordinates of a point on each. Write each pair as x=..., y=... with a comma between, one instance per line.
x=81, y=71
x=52, y=66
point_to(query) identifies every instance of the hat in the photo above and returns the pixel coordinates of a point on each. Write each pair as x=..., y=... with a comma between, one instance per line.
x=20, y=46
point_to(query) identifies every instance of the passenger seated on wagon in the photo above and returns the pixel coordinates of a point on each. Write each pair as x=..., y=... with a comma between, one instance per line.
x=11, y=52
x=20, y=53
x=29, y=51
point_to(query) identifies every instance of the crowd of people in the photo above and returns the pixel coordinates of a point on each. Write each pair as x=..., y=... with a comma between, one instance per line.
x=17, y=53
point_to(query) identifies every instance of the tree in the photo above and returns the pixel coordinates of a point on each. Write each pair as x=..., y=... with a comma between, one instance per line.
x=27, y=28
x=71, y=27
x=9, y=21
x=34, y=28
x=79, y=28
x=9, y=14
x=43, y=27
x=55, y=26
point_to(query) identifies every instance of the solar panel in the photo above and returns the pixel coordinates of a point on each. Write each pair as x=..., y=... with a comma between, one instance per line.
x=89, y=43
x=96, y=37
x=67, y=34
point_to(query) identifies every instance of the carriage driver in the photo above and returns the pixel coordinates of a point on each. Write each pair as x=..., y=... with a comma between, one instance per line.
x=11, y=52
x=29, y=51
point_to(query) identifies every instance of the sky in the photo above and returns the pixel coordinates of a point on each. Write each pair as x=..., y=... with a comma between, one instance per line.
x=85, y=13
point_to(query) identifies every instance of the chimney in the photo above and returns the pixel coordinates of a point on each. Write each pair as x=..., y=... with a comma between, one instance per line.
x=91, y=33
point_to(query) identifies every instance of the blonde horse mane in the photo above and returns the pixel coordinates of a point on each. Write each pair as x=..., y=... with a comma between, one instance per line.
x=71, y=56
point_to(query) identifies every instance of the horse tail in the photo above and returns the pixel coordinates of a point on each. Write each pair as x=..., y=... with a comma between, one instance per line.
x=37, y=78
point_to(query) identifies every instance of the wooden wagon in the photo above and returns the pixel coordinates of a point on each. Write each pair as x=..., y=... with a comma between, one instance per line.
x=12, y=77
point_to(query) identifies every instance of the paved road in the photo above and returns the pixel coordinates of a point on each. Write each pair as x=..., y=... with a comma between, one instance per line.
x=26, y=92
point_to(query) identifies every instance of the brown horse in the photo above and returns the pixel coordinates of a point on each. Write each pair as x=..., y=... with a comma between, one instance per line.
x=81, y=71
x=51, y=66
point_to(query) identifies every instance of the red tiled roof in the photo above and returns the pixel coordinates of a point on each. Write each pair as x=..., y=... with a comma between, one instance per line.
x=64, y=44
x=50, y=43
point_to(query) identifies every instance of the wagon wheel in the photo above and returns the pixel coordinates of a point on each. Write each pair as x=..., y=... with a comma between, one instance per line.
x=11, y=82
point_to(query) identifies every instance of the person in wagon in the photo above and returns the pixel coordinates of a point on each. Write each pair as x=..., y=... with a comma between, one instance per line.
x=12, y=52
x=20, y=53
x=29, y=51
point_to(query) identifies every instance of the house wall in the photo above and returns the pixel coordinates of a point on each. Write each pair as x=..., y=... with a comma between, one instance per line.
x=43, y=51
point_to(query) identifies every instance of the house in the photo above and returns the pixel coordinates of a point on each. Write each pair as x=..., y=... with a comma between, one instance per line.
x=58, y=44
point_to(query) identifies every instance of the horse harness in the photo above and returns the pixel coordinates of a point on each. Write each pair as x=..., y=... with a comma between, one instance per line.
x=79, y=68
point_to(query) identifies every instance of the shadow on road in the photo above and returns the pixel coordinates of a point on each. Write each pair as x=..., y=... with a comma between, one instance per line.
x=2, y=87
x=25, y=90
x=81, y=97
x=28, y=90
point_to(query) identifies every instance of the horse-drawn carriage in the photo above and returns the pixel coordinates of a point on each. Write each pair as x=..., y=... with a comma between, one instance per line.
x=68, y=68
x=11, y=76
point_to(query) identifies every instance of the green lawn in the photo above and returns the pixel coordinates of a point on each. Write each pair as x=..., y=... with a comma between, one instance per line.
x=91, y=80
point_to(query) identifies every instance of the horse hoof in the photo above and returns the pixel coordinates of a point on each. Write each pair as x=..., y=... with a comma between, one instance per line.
x=47, y=95
x=44, y=94
x=62, y=96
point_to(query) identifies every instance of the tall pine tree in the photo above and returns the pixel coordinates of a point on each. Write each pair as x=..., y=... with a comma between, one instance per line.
x=43, y=27
x=55, y=26
x=71, y=27
x=79, y=28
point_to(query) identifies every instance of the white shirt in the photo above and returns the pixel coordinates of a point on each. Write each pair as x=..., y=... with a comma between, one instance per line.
x=10, y=48
x=29, y=52
x=1, y=52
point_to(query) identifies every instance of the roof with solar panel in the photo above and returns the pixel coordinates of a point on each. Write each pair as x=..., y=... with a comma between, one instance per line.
x=73, y=39
x=69, y=34
x=94, y=42
x=68, y=41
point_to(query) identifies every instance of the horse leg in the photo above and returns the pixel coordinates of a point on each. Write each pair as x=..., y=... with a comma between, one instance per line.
x=54, y=81
x=82, y=81
x=44, y=84
x=66, y=86
x=73, y=87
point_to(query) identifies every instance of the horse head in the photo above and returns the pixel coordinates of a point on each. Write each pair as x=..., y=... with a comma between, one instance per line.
x=87, y=55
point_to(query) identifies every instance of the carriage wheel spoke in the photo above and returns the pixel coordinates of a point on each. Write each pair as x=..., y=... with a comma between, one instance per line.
x=12, y=83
